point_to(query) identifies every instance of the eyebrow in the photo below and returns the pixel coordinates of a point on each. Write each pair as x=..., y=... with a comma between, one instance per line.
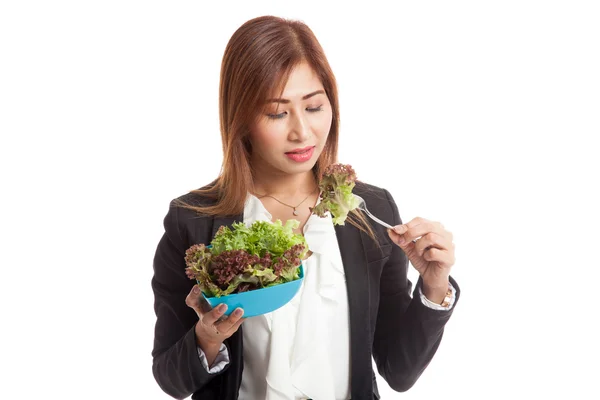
x=286, y=101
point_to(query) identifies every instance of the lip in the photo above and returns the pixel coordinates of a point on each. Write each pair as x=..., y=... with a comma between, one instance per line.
x=302, y=156
x=300, y=150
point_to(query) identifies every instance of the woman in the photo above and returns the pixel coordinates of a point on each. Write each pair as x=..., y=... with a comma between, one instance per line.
x=279, y=127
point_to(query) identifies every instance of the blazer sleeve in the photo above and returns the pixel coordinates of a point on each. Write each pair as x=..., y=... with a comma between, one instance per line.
x=407, y=333
x=176, y=365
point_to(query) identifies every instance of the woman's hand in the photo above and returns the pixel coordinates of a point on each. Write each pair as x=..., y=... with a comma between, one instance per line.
x=211, y=329
x=430, y=250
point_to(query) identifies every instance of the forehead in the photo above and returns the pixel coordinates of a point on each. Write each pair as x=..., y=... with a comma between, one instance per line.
x=302, y=80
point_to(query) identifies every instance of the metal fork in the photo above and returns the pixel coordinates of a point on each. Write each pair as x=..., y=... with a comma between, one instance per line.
x=363, y=206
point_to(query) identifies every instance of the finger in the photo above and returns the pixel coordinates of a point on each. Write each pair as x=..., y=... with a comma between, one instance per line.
x=235, y=327
x=401, y=229
x=420, y=230
x=416, y=222
x=398, y=239
x=193, y=300
x=211, y=317
x=395, y=237
x=407, y=247
x=412, y=226
x=231, y=330
x=431, y=239
x=408, y=235
x=443, y=257
x=440, y=230
x=433, y=226
x=226, y=325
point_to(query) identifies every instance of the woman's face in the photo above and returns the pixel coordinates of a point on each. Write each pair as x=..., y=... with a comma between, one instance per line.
x=290, y=136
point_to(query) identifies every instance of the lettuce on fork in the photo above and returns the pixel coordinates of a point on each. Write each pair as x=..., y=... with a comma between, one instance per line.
x=247, y=258
x=336, y=193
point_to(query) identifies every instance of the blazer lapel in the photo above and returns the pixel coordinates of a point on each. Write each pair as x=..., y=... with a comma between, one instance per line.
x=357, y=283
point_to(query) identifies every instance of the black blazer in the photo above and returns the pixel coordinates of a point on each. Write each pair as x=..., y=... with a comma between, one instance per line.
x=386, y=322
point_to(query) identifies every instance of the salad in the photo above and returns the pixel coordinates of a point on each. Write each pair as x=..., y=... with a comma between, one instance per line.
x=247, y=258
x=336, y=193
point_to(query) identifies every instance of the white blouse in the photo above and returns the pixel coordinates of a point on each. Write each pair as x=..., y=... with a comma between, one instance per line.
x=301, y=350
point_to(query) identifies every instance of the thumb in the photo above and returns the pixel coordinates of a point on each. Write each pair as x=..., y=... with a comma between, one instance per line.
x=196, y=301
x=400, y=229
x=397, y=237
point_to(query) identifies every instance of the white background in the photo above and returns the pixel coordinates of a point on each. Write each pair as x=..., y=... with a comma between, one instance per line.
x=482, y=115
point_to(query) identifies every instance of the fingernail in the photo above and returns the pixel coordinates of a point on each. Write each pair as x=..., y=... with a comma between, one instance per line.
x=196, y=289
x=399, y=229
x=222, y=307
x=401, y=241
x=238, y=312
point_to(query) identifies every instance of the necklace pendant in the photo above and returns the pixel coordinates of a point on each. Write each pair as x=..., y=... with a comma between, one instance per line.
x=295, y=212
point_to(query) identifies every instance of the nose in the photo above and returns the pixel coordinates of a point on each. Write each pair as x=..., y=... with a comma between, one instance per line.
x=300, y=128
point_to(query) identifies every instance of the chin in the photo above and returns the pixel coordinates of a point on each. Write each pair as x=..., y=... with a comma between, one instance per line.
x=291, y=168
x=298, y=169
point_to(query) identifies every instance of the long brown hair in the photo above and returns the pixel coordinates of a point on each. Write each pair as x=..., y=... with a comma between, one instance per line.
x=257, y=62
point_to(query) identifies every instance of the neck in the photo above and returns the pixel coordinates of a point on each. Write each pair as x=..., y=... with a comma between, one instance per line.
x=286, y=185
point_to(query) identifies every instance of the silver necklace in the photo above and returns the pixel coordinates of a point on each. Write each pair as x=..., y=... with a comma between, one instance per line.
x=287, y=205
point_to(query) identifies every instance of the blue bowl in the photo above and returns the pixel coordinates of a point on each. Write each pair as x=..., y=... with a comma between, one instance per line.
x=260, y=301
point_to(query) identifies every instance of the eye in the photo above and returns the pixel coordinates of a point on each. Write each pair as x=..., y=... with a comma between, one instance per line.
x=277, y=116
x=315, y=109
